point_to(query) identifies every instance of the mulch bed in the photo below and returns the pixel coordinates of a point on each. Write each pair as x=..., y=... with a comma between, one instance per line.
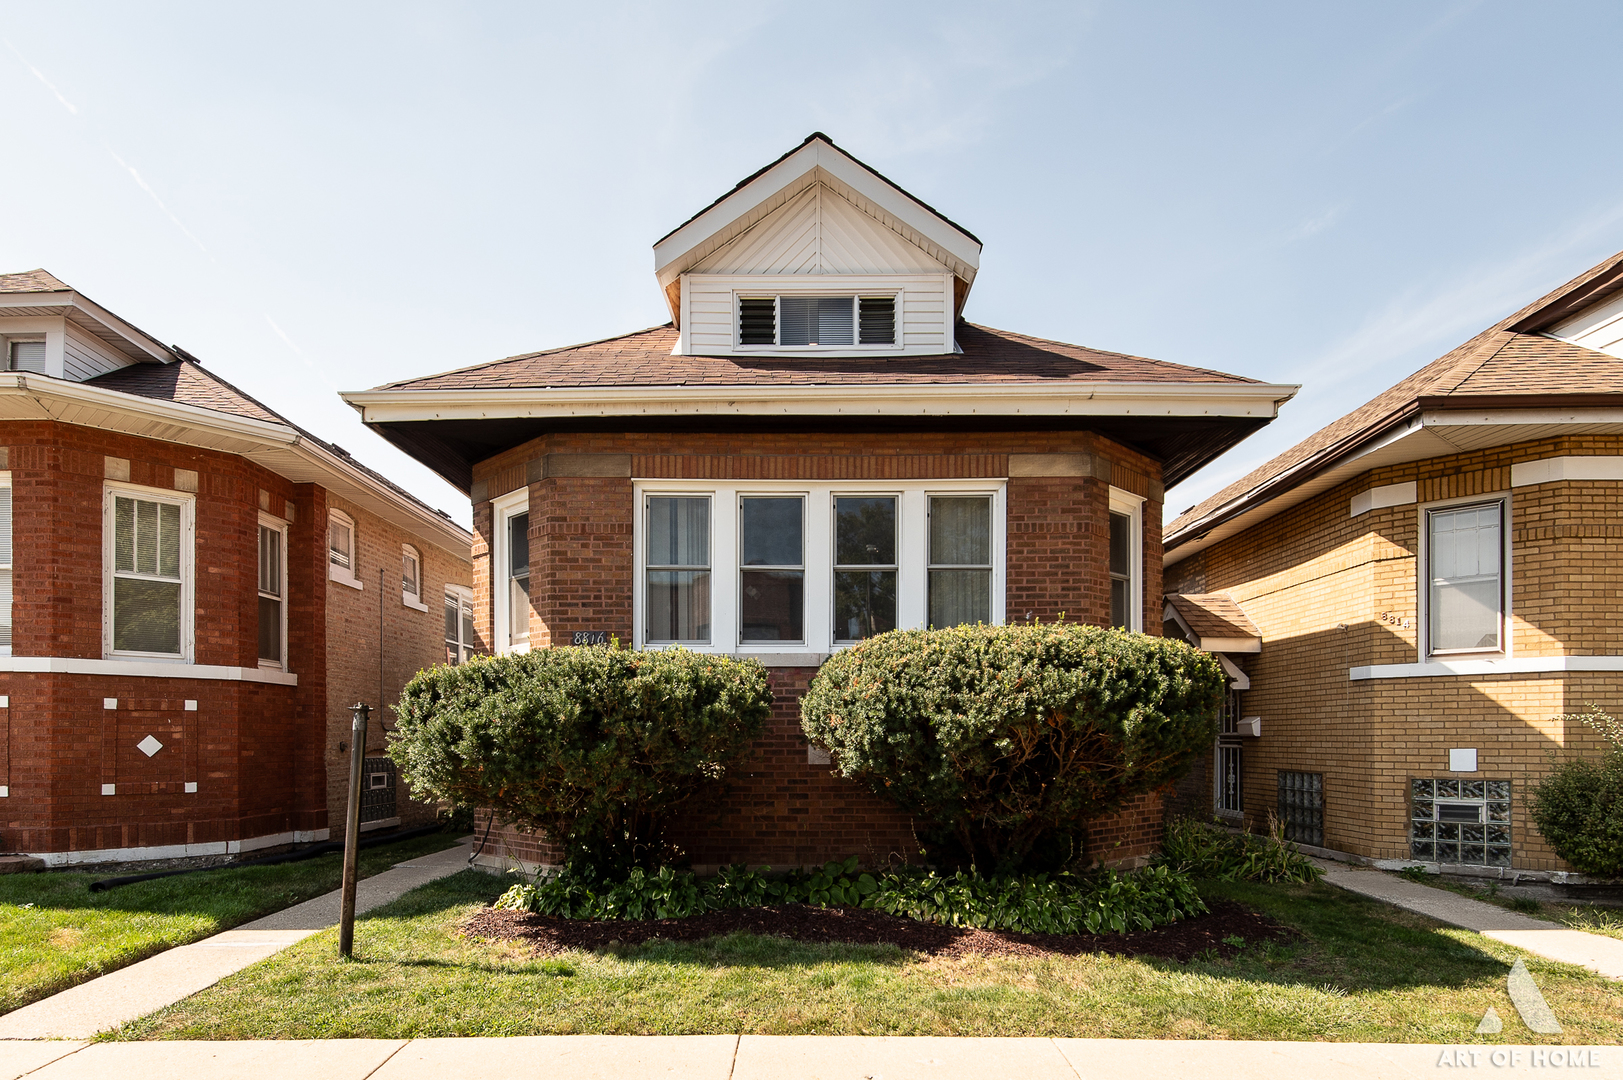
x=1179, y=941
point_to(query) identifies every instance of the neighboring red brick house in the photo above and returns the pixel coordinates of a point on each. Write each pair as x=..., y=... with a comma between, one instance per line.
x=1411, y=598
x=815, y=449
x=193, y=591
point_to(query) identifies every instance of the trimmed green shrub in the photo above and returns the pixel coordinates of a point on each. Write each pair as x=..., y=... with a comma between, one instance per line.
x=595, y=747
x=1578, y=806
x=1004, y=740
x=1206, y=851
x=1101, y=903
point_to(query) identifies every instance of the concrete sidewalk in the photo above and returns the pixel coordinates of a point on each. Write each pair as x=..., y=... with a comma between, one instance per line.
x=786, y=1057
x=1597, y=952
x=120, y=996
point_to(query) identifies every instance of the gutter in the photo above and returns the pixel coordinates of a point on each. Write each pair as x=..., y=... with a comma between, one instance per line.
x=1148, y=400
x=264, y=433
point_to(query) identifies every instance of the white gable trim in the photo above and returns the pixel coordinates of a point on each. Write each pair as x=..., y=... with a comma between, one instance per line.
x=743, y=208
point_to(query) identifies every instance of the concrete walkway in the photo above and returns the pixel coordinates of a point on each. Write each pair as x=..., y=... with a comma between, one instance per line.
x=1597, y=952
x=786, y=1057
x=132, y=992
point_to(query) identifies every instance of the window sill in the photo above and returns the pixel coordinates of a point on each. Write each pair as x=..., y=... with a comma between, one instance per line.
x=1531, y=665
x=344, y=579
x=415, y=605
x=171, y=669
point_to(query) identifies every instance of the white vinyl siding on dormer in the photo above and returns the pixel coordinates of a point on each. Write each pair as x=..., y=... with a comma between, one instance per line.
x=819, y=232
x=57, y=348
x=710, y=317
x=84, y=357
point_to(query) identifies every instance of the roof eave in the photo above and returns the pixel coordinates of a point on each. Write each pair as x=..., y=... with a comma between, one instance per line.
x=139, y=339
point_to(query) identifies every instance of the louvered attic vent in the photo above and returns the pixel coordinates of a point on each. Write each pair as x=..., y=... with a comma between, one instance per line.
x=817, y=320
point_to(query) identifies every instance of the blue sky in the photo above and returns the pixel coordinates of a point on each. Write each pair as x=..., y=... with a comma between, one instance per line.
x=315, y=197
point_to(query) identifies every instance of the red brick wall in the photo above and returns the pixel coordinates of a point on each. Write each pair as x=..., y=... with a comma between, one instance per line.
x=782, y=811
x=254, y=750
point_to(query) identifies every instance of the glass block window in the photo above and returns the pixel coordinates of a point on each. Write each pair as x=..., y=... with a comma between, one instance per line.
x=1301, y=806
x=1460, y=821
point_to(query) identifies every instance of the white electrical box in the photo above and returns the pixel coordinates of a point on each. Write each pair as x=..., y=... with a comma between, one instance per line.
x=1462, y=760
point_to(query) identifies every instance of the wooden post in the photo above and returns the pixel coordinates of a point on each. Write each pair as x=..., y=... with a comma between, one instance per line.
x=352, y=830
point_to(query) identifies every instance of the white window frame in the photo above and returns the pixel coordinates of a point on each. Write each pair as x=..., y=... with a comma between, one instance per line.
x=1423, y=580
x=911, y=542
x=503, y=510
x=1125, y=502
x=10, y=568
x=407, y=597
x=464, y=597
x=897, y=295
x=188, y=547
x=10, y=340
x=268, y=521
x=344, y=575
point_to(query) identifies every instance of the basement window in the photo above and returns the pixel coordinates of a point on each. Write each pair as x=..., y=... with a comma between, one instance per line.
x=1463, y=822
x=1301, y=807
x=797, y=321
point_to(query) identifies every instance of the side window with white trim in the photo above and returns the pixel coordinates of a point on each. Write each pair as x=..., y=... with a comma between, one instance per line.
x=272, y=592
x=1465, y=578
x=342, y=545
x=148, y=537
x=411, y=578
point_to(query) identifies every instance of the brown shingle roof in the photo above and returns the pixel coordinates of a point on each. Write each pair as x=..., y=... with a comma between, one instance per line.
x=1496, y=362
x=187, y=383
x=1213, y=615
x=644, y=359
x=31, y=281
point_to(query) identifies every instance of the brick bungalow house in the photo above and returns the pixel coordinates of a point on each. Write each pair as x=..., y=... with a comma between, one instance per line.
x=1408, y=597
x=814, y=449
x=193, y=591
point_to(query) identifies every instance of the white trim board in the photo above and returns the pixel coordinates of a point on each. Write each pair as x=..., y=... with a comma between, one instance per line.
x=1549, y=470
x=181, y=851
x=1529, y=665
x=155, y=669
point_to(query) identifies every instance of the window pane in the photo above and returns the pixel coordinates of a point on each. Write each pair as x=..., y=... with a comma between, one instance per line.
x=146, y=616
x=270, y=629
x=451, y=610
x=772, y=606
x=467, y=625
x=1121, y=544
x=1465, y=616
x=270, y=561
x=28, y=356
x=678, y=605
x=146, y=536
x=815, y=320
x=338, y=543
x=1120, y=602
x=518, y=544
x=864, y=603
x=408, y=574
x=1466, y=600
x=5, y=608
x=865, y=532
x=678, y=531
x=960, y=531
x=518, y=610
x=124, y=535
x=878, y=318
x=770, y=532
x=168, y=539
x=960, y=596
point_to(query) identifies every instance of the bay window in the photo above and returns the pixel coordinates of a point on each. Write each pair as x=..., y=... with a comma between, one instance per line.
x=749, y=566
x=147, y=560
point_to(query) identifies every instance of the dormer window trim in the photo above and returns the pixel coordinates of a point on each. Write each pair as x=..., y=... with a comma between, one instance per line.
x=778, y=291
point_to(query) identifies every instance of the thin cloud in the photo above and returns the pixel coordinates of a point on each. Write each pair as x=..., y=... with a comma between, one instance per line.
x=144, y=186
x=1313, y=226
x=40, y=75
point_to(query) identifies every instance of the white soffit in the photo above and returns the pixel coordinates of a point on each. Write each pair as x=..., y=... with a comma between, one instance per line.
x=959, y=399
x=1431, y=434
x=277, y=447
x=815, y=162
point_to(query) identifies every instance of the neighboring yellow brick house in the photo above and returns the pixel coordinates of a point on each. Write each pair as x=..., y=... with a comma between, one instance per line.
x=1408, y=598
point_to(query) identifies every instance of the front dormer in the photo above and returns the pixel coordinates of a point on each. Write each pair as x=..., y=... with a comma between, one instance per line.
x=816, y=254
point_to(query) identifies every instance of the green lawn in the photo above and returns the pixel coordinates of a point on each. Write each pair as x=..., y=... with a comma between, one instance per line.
x=54, y=932
x=1364, y=971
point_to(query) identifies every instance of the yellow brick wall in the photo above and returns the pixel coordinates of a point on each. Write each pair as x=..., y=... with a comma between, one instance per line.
x=1331, y=592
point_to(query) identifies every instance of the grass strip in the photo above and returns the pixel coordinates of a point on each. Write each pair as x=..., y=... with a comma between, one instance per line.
x=56, y=933
x=1361, y=971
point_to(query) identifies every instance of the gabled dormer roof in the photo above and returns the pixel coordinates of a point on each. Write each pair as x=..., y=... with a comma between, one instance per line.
x=862, y=192
x=39, y=292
